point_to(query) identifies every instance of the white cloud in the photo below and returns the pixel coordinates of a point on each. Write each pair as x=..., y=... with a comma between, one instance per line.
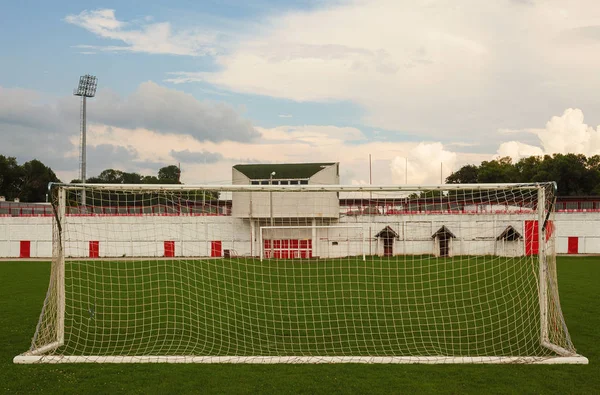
x=144, y=36
x=563, y=134
x=426, y=164
x=568, y=133
x=440, y=70
x=432, y=68
x=517, y=150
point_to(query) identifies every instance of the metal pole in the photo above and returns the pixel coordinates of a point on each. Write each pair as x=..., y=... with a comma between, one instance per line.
x=83, y=150
x=543, y=265
x=370, y=171
x=370, y=209
x=271, y=199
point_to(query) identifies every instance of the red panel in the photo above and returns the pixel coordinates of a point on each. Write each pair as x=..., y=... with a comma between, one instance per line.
x=304, y=243
x=267, y=243
x=531, y=238
x=285, y=254
x=294, y=243
x=25, y=250
x=276, y=243
x=573, y=247
x=216, y=248
x=285, y=243
x=94, y=249
x=169, y=248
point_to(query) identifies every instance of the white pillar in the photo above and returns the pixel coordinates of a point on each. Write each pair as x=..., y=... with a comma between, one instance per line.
x=315, y=249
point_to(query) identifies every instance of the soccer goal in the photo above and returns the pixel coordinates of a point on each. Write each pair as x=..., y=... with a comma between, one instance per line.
x=302, y=274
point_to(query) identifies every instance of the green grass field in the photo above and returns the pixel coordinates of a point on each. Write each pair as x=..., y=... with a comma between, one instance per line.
x=294, y=327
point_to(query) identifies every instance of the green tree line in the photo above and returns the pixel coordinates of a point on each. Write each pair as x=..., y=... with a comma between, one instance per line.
x=29, y=181
x=575, y=174
x=166, y=175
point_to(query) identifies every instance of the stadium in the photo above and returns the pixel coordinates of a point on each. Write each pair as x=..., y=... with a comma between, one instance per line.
x=391, y=225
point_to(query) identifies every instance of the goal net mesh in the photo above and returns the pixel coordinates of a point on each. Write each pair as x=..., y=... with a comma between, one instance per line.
x=261, y=274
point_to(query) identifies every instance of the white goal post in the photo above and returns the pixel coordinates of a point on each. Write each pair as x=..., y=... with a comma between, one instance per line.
x=303, y=274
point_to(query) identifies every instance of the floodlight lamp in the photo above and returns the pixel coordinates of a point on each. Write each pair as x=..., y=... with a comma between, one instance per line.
x=87, y=86
x=273, y=173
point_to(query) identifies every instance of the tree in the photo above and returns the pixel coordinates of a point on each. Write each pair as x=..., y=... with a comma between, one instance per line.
x=569, y=172
x=108, y=176
x=528, y=169
x=34, y=181
x=132, y=178
x=10, y=177
x=500, y=170
x=465, y=175
x=169, y=175
x=150, y=180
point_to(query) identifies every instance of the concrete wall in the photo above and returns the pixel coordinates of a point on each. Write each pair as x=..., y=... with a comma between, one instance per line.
x=145, y=236
x=290, y=204
x=37, y=230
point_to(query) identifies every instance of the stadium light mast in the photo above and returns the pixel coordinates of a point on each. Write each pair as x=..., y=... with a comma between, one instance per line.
x=87, y=88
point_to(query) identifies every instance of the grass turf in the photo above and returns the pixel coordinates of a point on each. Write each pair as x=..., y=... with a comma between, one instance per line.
x=25, y=283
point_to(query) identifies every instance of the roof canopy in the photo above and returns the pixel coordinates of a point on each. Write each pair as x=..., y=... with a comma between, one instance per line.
x=509, y=234
x=443, y=233
x=387, y=233
x=283, y=171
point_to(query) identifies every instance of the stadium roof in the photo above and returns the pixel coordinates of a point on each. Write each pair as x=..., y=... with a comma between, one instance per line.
x=287, y=170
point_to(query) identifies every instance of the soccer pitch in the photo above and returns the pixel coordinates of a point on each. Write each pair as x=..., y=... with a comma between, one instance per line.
x=292, y=307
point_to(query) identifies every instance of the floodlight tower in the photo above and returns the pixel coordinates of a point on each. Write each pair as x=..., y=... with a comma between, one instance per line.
x=87, y=88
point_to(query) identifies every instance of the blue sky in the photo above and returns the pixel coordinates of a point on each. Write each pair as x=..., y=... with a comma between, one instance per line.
x=299, y=81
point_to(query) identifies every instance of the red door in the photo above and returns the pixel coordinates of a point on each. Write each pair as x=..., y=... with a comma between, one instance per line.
x=573, y=247
x=169, y=248
x=94, y=249
x=25, y=249
x=388, y=247
x=216, y=249
x=532, y=241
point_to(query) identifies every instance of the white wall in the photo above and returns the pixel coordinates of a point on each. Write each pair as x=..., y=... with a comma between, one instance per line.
x=145, y=236
x=38, y=230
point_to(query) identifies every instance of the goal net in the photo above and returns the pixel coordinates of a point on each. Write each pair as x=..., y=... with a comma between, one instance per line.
x=302, y=274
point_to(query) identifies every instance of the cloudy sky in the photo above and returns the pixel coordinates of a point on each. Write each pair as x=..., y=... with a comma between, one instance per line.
x=212, y=83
